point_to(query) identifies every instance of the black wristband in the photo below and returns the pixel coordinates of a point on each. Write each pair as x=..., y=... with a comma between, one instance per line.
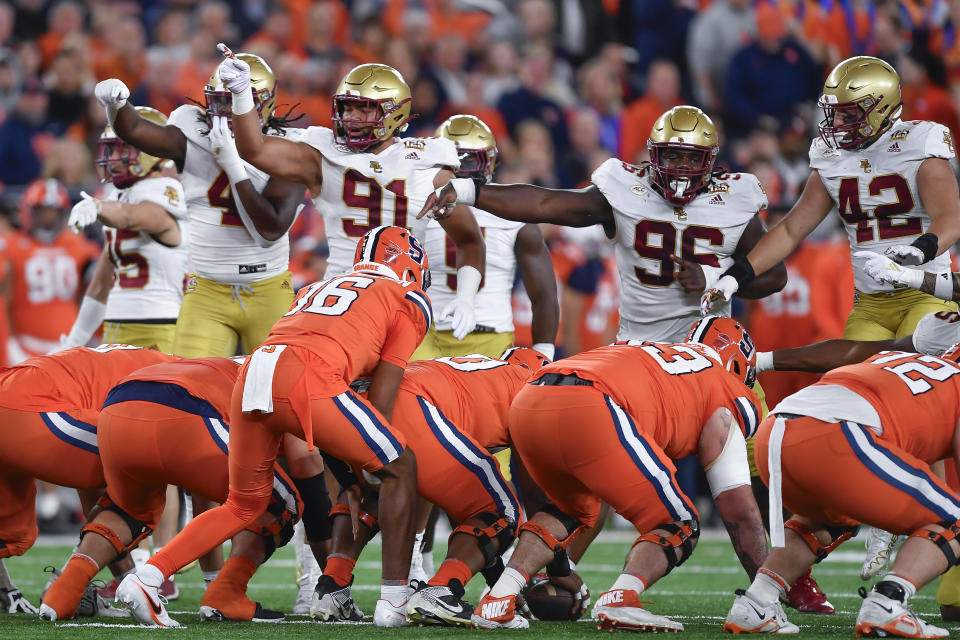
x=477, y=183
x=928, y=243
x=741, y=271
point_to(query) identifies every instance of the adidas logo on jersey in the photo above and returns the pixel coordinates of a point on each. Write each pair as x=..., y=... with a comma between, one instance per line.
x=413, y=155
x=717, y=199
x=895, y=147
x=493, y=610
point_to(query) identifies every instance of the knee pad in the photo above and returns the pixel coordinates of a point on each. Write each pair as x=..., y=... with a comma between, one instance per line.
x=497, y=529
x=366, y=519
x=138, y=530
x=317, y=506
x=838, y=535
x=942, y=539
x=682, y=538
x=560, y=565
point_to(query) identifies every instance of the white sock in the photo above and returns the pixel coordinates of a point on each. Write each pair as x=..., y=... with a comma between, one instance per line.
x=629, y=582
x=909, y=588
x=395, y=594
x=139, y=557
x=150, y=575
x=766, y=588
x=209, y=576
x=510, y=583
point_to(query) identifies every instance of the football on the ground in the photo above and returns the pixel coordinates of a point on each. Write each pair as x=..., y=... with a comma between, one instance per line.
x=547, y=601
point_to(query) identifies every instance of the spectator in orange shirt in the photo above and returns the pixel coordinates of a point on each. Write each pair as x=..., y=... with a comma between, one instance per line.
x=322, y=37
x=125, y=57
x=663, y=92
x=65, y=20
x=445, y=17
x=473, y=104
x=192, y=76
x=277, y=30
x=923, y=81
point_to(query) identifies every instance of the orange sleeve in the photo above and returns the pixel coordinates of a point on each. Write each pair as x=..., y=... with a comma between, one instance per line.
x=404, y=337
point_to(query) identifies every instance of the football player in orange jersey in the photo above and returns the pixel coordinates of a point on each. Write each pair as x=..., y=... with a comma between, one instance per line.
x=873, y=428
x=46, y=267
x=702, y=407
x=450, y=410
x=48, y=412
x=366, y=323
x=169, y=424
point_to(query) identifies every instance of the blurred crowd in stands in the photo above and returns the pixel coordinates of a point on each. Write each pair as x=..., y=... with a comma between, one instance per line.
x=564, y=84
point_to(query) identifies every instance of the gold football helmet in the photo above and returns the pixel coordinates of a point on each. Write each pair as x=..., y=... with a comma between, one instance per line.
x=683, y=147
x=219, y=100
x=370, y=87
x=122, y=163
x=860, y=101
x=476, y=145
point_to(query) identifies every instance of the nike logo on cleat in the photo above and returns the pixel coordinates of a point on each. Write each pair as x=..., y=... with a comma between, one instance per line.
x=492, y=610
x=760, y=615
x=887, y=609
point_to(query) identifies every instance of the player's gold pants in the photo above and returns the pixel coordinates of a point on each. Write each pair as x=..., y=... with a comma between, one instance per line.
x=439, y=344
x=885, y=316
x=216, y=317
x=148, y=336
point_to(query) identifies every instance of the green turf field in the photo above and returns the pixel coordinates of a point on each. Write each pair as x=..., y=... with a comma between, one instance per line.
x=697, y=594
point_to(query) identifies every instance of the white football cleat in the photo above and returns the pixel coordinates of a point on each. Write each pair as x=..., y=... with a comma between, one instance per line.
x=620, y=609
x=438, y=605
x=498, y=613
x=882, y=617
x=389, y=615
x=880, y=547
x=332, y=603
x=143, y=602
x=747, y=615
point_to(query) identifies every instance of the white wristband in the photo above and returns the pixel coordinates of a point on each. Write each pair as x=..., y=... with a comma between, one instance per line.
x=943, y=286
x=466, y=190
x=546, y=348
x=242, y=102
x=764, y=361
x=91, y=314
x=468, y=283
x=235, y=171
x=912, y=278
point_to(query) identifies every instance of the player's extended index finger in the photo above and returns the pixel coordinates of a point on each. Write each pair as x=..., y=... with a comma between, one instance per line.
x=677, y=260
x=428, y=206
x=225, y=50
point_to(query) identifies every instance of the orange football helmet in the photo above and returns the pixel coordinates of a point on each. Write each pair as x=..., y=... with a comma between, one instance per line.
x=525, y=357
x=732, y=343
x=952, y=354
x=42, y=193
x=395, y=252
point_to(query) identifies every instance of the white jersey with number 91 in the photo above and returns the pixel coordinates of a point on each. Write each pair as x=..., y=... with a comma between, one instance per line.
x=362, y=190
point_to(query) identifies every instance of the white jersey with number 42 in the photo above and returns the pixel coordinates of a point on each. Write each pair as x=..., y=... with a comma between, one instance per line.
x=221, y=248
x=493, y=303
x=706, y=230
x=149, y=282
x=361, y=190
x=875, y=190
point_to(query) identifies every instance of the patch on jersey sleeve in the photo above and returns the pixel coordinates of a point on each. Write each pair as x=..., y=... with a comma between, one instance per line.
x=423, y=303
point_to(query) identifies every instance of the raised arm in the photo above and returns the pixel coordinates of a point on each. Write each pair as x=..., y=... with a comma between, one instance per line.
x=773, y=279
x=536, y=269
x=527, y=203
x=163, y=141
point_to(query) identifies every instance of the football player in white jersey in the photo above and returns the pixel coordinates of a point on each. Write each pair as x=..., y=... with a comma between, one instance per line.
x=510, y=246
x=360, y=175
x=239, y=248
x=674, y=210
x=138, y=282
x=893, y=186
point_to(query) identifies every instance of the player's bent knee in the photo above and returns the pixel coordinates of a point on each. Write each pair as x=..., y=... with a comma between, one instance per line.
x=678, y=544
x=247, y=507
x=17, y=546
x=944, y=539
x=136, y=530
x=837, y=535
x=560, y=565
x=404, y=466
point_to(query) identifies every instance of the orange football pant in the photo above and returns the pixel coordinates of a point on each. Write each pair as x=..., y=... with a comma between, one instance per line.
x=842, y=473
x=582, y=448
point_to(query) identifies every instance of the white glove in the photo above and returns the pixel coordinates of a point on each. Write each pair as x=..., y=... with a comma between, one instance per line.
x=464, y=317
x=905, y=254
x=12, y=601
x=711, y=275
x=225, y=149
x=886, y=271
x=234, y=73
x=721, y=292
x=112, y=94
x=84, y=213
